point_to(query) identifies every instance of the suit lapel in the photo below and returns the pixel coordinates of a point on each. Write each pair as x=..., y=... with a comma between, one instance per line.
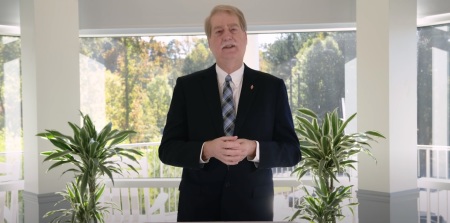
x=248, y=92
x=212, y=96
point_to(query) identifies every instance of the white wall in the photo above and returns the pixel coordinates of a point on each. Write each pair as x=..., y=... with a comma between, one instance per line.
x=175, y=16
x=9, y=13
x=143, y=16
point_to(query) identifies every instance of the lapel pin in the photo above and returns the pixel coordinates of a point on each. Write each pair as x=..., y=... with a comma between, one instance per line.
x=251, y=87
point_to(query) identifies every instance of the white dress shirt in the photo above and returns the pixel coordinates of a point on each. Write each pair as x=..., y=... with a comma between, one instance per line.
x=236, y=86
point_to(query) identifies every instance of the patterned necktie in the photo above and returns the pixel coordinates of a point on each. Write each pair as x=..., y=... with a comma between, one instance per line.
x=228, y=108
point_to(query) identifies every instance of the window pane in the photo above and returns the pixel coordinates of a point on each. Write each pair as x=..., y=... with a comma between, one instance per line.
x=129, y=80
x=433, y=85
x=11, y=142
x=10, y=110
x=316, y=67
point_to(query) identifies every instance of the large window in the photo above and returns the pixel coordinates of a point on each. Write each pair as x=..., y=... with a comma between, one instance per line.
x=11, y=145
x=433, y=103
x=433, y=121
x=129, y=80
x=433, y=85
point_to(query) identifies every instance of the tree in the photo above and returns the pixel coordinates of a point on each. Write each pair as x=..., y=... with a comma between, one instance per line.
x=346, y=42
x=199, y=58
x=279, y=60
x=280, y=53
x=9, y=50
x=132, y=65
x=11, y=127
x=321, y=69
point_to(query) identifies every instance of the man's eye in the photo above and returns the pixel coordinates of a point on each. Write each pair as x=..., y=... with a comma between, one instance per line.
x=218, y=32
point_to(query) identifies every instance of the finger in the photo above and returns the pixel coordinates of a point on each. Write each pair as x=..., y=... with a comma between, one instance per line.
x=232, y=162
x=243, y=141
x=229, y=152
x=231, y=157
x=231, y=145
x=228, y=138
x=237, y=159
x=229, y=161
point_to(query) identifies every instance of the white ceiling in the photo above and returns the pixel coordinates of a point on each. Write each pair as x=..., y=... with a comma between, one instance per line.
x=432, y=7
x=144, y=14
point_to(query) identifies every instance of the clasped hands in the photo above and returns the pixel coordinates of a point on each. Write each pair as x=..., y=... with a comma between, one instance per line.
x=229, y=149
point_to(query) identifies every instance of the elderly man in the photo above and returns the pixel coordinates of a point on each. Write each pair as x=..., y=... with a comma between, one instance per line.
x=227, y=126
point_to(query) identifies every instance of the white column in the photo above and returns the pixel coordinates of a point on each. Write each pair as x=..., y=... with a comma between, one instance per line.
x=51, y=93
x=387, y=102
x=251, y=57
x=350, y=95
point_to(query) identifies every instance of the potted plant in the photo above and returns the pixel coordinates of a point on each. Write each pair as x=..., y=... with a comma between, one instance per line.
x=90, y=154
x=327, y=152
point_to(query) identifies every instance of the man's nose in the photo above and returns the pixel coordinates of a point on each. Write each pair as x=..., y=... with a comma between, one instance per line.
x=226, y=35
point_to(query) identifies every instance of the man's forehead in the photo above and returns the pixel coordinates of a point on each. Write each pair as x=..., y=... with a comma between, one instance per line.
x=220, y=26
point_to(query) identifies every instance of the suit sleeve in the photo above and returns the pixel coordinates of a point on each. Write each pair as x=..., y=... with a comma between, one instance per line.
x=176, y=149
x=284, y=148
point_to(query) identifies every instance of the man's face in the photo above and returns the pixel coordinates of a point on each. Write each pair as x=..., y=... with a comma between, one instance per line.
x=228, y=41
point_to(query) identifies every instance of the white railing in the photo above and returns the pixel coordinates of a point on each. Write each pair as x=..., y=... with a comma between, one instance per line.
x=150, y=190
x=434, y=183
x=152, y=195
x=156, y=188
x=143, y=191
x=11, y=186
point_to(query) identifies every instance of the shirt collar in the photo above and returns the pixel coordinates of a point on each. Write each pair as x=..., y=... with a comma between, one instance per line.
x=236, y=76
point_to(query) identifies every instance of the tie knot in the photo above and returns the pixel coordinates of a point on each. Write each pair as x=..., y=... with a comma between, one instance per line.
x=228, y=78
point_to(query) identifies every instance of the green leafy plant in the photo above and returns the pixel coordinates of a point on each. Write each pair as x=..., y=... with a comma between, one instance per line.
x=80, y=208
x=90, y=154
x=327, y=152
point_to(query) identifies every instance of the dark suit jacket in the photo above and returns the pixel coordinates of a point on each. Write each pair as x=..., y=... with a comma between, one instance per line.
x=215, y=191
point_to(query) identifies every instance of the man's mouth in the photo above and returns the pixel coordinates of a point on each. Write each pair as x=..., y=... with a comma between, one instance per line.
x=228, y=45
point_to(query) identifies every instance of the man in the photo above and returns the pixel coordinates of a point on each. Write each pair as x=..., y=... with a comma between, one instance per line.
x=227, y=172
